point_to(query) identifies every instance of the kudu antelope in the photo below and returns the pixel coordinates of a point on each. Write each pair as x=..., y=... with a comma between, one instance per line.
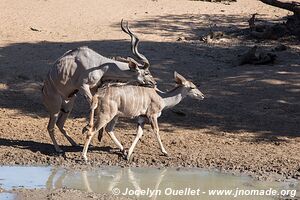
x=83, y=70
x=146, y=104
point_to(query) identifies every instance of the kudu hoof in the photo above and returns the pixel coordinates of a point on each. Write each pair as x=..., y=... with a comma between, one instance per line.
x=165, y=154
x=128, y=158
x=124, y=154
x=85, y=159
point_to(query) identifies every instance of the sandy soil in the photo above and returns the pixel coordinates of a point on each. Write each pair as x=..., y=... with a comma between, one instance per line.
x=247, y=123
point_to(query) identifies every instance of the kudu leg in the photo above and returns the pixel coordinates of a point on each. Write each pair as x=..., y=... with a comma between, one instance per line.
x=140, y=126
x=88, y=130
x=90, y=95
x=50, y=128
x=94, y=104
x=100, y=134
x=52, y=101
x=66, y=109
x=92, y=130
x=89, y=135
x=155, y=128
x=110, y=128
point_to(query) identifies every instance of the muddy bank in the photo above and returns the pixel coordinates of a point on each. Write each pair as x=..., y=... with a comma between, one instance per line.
x=241, y=153
x=60, y=194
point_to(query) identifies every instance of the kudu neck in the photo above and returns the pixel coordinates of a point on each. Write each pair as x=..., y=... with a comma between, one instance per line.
x=174, y=96
x=116, y=70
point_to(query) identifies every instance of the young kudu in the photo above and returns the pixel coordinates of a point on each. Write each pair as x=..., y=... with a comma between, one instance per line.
x=83, y=70
x=146, y=104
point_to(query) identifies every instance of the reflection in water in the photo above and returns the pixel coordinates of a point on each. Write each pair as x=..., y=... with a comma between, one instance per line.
x=7, y=196
x=105, y=180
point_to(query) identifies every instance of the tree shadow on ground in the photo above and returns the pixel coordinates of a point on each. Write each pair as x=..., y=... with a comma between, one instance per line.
x=191, y=25
x=196, y=26
x=261, y=99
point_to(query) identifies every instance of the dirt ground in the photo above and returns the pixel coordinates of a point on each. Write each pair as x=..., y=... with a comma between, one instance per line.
x=247, y=123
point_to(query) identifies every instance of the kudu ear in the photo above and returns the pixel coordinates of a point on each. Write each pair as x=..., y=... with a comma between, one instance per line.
x=179, y=79
x=133, y=65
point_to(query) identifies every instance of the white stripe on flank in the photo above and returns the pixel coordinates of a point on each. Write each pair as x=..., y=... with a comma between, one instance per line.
x=142, y=97
x=137, y=100
x=131, y=96
x=125, y=98
x=137, y=97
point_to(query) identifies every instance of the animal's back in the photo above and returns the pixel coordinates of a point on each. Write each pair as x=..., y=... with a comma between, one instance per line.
x=70, y=71
x=132, y=101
